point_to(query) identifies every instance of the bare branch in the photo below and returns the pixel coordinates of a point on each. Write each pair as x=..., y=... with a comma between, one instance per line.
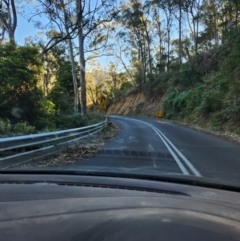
x=101, y=22
x=34, y=15
x=97, y=56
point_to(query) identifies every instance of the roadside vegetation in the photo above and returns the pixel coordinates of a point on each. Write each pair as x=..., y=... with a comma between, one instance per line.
x=208, y=99
x=27, y=103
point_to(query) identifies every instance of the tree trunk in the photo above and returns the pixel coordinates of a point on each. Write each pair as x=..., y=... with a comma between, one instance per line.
x=11, y=34
x=236, y=18
x=168, y=48
x=144, y=62
x=82, y=60
x=149, y=47
x=180, y=34
x=74, y=76
x=82, y=73
x=9, y=22
x=149, y=56
x=216, y=25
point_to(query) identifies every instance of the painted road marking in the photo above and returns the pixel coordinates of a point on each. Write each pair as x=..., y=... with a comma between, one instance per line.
x=179, y=163
x=171, y=148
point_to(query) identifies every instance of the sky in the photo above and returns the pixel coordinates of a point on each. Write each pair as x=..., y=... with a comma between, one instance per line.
x=26, y=29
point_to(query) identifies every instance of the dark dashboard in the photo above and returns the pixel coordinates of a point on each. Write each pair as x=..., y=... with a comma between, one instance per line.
x=65, y=207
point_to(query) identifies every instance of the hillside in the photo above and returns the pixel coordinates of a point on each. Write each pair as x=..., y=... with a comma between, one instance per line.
x=204, y=92
x=135, y=103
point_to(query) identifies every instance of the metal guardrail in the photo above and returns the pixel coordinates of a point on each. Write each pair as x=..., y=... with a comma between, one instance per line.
x=21, y=149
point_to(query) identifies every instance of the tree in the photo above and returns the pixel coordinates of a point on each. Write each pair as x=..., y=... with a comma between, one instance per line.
x=8, y=17
x=90, y=17
x=60, y=13
x=67, y=25
x=133, y=20
x=97, y=80
x=193, y=9
x=211, y=20
x=19, y=89
x=120, y=49
x=162, y=33
x=59, y=65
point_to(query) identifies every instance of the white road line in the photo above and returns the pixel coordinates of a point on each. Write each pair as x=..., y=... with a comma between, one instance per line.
x=183, y=169
x=167, y=142
x=187, y=162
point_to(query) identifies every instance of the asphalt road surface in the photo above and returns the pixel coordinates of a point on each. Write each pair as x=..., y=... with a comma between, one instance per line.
x=163, y=147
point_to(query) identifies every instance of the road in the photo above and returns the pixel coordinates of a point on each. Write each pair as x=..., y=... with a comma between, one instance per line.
x=160, y=147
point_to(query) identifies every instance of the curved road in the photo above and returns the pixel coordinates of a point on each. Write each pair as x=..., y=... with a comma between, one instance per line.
x=157, y=146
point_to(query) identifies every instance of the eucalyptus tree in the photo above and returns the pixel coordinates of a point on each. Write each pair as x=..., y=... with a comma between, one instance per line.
x=211, y=20
x=92, y=20
x=193, y=12
x=171, y=8
x=134, y=27
x=162, y=18
x=60, y=29
x=121, y=50
x=8, y=18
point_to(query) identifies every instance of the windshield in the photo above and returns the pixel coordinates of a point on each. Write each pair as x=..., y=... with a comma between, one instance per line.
x=130, y=87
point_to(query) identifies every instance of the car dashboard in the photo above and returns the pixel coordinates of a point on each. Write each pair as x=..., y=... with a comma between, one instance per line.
x=66, y=207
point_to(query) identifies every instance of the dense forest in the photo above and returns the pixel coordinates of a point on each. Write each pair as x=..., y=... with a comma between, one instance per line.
x=187, y=52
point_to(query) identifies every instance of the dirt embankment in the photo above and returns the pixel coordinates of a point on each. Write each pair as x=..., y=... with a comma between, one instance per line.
x=135, y=103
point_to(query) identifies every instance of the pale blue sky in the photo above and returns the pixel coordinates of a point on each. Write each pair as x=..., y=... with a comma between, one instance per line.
x=24, y=30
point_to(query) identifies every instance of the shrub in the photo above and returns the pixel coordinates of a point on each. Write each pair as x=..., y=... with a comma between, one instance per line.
x=45, y=124
x=194, y=97
x=189, y=76
x=5, y=126
x=168, y=104
x=76, y=120
x=212, y=101
x=183, y=102
x=155, y=85
x=23, y=128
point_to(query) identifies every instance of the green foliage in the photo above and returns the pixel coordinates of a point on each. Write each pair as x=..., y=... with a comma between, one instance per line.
x=45, y=124
x=5, y=126
x=19, y=70
x=186, y=77
x=23, y=128
x=77, y=120
x=126, y=86
x=215, y=97
x=64, y=77
x=211, y=102
x=155, y=85
x=231, y=112
x=61, y=99
x=95, y=118
x=22, y=100
x=124, y=89
x=138, y=78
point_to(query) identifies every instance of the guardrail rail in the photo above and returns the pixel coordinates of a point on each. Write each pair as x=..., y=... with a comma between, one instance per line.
x=20, y=149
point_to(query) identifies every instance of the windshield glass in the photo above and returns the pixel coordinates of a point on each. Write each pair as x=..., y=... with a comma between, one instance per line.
x=129, y=87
